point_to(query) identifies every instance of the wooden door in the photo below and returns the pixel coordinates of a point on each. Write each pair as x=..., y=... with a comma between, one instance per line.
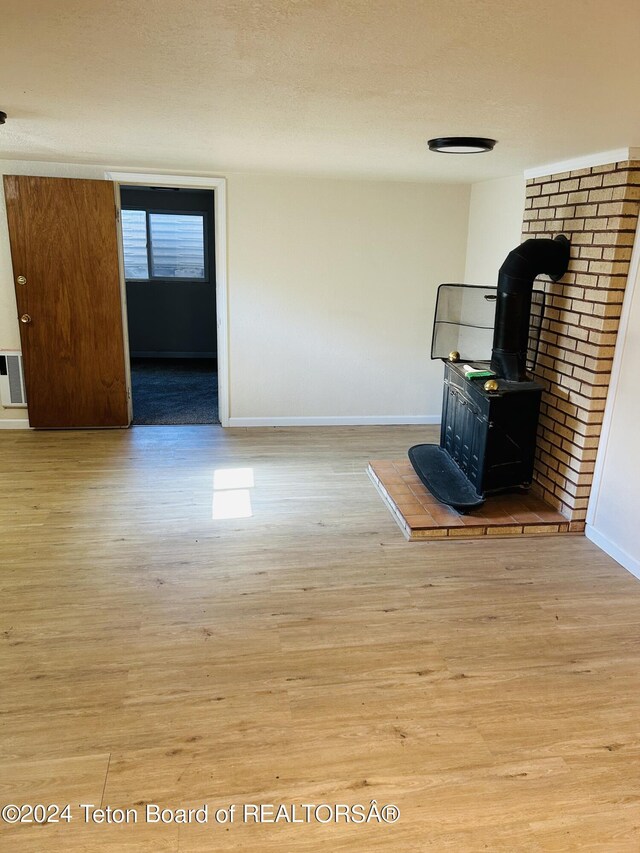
x=66, y=273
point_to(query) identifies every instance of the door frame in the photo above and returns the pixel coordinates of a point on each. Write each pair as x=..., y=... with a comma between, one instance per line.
x=219, y=188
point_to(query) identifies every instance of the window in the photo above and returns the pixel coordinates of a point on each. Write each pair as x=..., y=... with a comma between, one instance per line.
x=163, y=245
x=134, y=240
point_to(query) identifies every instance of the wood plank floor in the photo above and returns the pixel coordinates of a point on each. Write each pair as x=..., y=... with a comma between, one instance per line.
x=150, y=653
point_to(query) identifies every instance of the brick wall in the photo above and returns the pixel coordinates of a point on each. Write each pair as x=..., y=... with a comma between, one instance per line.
x=597, y=209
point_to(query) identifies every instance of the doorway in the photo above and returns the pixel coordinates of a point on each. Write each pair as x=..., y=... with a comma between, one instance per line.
x=169, y=257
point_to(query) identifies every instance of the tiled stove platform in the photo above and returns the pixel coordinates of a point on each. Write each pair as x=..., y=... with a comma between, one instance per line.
x=421, y=516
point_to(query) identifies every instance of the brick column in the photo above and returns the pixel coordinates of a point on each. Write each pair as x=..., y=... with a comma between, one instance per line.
x=597, y=209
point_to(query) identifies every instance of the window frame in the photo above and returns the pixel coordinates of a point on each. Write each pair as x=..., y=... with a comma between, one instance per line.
x=205, y=244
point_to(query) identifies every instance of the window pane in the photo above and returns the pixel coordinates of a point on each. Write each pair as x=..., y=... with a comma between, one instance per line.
x=134, y=242
x=177, y=245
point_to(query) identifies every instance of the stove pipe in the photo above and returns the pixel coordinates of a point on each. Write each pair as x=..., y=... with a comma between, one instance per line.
x=513, y=303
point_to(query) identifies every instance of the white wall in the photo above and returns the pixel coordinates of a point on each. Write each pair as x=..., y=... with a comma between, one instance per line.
x=495, y=227
x=612, y=520
x=331, y=293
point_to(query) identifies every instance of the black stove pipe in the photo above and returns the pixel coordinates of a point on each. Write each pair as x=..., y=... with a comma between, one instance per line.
x=513, y=304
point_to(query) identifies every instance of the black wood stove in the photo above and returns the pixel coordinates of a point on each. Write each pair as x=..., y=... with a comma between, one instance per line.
x=490, y=408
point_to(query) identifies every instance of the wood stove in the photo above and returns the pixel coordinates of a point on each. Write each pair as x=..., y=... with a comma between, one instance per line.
x=490, y=408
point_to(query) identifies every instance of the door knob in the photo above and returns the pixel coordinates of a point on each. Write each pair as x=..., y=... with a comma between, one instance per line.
x=26, y=318
x=21, y=279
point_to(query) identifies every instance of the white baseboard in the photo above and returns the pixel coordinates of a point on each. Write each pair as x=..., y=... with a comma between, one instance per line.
x=14, y=423
x=619, y=555
x=348, y=420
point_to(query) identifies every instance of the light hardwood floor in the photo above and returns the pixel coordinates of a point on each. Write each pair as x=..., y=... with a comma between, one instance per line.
x=306, y=654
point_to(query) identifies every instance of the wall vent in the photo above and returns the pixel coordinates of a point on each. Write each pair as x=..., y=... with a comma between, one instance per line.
x=12, y=390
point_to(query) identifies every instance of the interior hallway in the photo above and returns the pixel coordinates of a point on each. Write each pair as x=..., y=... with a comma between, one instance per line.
x=304, y=654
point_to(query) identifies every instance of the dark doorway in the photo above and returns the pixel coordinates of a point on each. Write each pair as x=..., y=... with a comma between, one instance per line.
x=169, y=260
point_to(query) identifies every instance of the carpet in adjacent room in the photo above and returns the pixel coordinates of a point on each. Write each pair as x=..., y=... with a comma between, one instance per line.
x=174, y=391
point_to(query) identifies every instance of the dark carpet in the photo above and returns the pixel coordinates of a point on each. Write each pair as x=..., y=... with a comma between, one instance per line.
x=174, y=391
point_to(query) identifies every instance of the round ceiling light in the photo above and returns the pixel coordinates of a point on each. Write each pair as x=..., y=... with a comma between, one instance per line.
x=461, y=144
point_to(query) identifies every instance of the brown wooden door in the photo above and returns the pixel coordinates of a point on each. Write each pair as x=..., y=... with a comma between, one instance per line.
x=64, y=243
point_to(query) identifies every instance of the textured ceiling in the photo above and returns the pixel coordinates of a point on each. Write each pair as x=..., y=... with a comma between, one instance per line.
x=344, y=87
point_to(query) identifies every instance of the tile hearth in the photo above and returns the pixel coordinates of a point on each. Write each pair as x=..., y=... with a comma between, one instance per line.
x=421, y=516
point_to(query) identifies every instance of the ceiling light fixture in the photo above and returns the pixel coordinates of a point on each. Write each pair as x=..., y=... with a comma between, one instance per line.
x=461, y=144
x=3, y=117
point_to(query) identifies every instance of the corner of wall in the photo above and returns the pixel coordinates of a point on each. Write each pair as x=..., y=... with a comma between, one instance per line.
x=495, y=222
